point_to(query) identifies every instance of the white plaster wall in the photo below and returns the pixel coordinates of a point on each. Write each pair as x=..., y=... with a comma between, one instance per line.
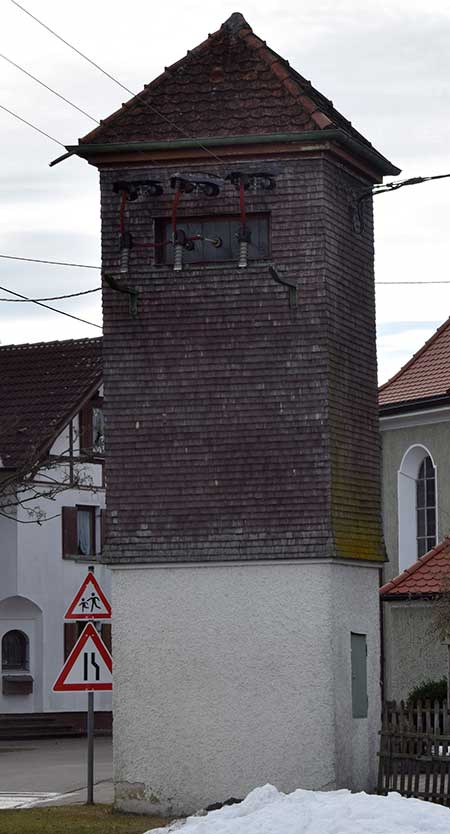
x=8, y=556
x=356, y=609
x=226, y=677
x=413, y=651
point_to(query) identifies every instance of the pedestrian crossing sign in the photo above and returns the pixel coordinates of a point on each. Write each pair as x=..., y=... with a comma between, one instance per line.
x=89, y=603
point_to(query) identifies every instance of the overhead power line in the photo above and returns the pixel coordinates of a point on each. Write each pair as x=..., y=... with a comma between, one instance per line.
x=51, y=90
x=53, y=309
x=91, y=266
x=53, y=263
x=38, y=129
x=51, y=298
x=119, y=84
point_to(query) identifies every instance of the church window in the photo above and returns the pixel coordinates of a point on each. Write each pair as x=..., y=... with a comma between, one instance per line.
x=426, y=507
x=417, y=505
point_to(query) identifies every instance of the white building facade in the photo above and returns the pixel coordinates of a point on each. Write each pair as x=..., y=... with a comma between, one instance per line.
x=50, y=532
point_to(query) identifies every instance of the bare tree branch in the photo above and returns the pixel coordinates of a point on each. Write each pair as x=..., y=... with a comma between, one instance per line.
x=37, y=478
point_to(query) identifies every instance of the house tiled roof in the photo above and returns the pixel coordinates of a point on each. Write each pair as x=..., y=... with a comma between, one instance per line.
x=40, y=386
x=424, y=576
x=427, y=374
x=232, y=84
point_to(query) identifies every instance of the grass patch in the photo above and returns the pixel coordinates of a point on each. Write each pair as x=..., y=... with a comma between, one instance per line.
x=75, y=819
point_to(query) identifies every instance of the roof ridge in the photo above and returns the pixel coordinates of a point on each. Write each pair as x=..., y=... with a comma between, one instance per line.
x=397, y=580
x=415, y=355
x=34, y=345
x=275, y=63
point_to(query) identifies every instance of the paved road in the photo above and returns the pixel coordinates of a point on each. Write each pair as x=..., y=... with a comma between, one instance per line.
x=52, y=771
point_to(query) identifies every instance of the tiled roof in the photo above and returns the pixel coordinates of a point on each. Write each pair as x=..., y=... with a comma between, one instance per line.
x=427, y=374
x=424, y=576
x=232, y=84
x=40, y=386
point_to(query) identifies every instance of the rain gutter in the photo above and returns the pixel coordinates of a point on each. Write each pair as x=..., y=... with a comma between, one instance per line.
x=337, y=135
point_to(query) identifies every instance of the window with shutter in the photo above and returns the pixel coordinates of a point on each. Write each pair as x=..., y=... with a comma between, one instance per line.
x=78, y=531
x=92, y=433
x=213, y=239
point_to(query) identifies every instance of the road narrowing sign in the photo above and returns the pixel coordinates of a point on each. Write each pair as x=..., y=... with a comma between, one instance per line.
x=88, y=667
x=89, y=602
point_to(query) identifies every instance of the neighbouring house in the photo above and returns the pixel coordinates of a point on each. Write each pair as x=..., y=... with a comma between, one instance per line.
x=52, y=501
x=244, y=516
x=415, y=430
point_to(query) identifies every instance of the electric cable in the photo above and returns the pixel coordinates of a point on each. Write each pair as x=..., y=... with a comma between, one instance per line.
x=54, y=310
x=53, y=263
x=119, y=84
x=165, y=243
x=16, y=116
x=51, y=90
x=50, y=298
x=393, y=186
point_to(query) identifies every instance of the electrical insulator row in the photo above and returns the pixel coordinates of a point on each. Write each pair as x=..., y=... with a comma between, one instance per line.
x=131, y=191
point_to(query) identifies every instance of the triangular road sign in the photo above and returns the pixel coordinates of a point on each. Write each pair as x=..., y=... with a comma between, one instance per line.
x=88, y=667
x=89, y=603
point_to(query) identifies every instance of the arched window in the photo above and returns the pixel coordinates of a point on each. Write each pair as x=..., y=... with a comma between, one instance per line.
x=426, y=507
x=14, y=650
x=417, y=505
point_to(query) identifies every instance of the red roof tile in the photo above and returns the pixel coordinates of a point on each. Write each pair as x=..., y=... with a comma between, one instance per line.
x=427, y=374
x=40, y=386
x=232, y=84
x=424, y=576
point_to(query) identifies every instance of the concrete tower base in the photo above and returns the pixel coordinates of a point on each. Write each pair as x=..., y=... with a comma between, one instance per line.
x=231, y=676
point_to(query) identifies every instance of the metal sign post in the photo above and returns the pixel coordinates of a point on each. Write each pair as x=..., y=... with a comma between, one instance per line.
x=90, y=758
x=89, y=664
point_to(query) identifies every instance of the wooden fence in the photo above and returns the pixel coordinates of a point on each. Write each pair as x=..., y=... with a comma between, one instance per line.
x=414, y=757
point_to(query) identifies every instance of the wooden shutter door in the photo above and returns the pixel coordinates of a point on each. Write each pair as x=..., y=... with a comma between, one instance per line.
x=86, y=428
x=106, y=635
x=69, y=531
x=70, y=638
x=102, y=530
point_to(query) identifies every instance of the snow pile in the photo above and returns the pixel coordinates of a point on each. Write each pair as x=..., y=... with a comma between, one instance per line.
x=267, y=811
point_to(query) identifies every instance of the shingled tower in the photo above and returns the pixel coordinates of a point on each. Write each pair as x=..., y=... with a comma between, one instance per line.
x=240, y=390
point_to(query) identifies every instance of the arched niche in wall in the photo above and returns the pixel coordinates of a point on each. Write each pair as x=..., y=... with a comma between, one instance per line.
x=417, y=505
x=21, y=642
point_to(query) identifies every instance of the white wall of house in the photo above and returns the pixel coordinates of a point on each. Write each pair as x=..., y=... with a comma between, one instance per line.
x=38, y=584
x=235, y=675
x=414, y=653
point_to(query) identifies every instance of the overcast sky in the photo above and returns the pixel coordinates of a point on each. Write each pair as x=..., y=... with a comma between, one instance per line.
x=386, y=66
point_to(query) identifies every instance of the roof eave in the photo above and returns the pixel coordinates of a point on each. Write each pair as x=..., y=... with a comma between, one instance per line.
x=358, y=149
x=406, y=597
x=422, y=404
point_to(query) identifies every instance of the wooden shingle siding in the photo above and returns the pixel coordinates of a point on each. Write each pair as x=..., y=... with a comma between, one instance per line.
x=238, y=426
